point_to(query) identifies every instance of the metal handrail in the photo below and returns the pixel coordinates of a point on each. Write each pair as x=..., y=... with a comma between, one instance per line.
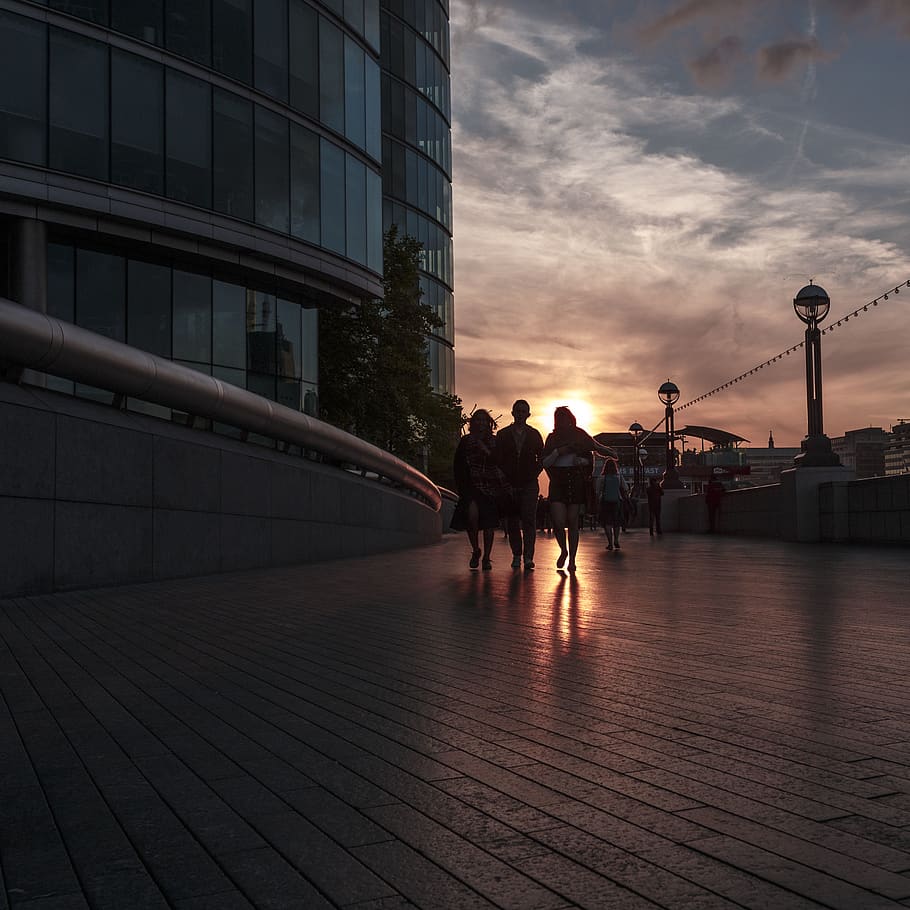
x=41, y=342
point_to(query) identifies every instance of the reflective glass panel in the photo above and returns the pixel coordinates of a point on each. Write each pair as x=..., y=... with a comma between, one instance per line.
x=229, y=326
x=192, y=317
x=78, y=105
x=232, y=167
x=270, y=53
x=310, y=343
x=373, y=104
x=93, y=10
x=332, y=196
x=188, y=29
x=61, y=281
x=355, y=208
x=137, y=122
x=304, y=184
x=354, y=97
x=23, y=88
x=189, y=142
x=232, y=38
x=374, y=221
x=143, y=20
x=304, y=25
x=149, y=307
x=260, y=332
x=331, y=75
x=272, y=177
x=288, y=336
x=101, y=293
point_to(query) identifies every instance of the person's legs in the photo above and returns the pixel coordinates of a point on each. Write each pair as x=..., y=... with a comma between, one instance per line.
x=572, y=512
x=651, y=521
x=617, y=524
x=487, y=546
x=473, y=522
x=513, y=525
x=528, y=517
x=558, y=520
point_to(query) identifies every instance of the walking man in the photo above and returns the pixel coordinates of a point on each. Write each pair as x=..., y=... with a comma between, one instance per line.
x=655, y=491
x=519, y=449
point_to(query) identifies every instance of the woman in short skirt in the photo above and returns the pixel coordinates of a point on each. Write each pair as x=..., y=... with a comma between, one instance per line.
x=480, y=482
x=568, y=460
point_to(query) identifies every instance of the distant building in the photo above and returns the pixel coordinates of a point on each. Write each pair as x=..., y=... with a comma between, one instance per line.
x=767, y=463
x=897, y=452
x=863, y=451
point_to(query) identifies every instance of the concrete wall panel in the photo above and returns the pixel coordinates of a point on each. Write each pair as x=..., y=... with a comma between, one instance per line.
x=186, y=543
x=291, y=491
x=246, y=542
x=98, y=462
x=98, y=544
x=186, y=477
x=245, y=486
x=26, y=452
x=27, y=545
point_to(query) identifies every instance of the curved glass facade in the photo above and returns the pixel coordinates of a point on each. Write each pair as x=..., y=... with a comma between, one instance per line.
x=123, y=117
x=417, y=154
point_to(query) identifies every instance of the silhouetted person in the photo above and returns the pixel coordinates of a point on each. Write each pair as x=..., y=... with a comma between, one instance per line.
x=655, y=491
x=714, y=492
x=568, y=460
x=612, y=487
x=479, y=482
x=519, y=449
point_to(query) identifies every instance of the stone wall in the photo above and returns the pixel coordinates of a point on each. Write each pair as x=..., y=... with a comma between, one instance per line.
x=93, y=496
x=752, y=512
x=878, y=510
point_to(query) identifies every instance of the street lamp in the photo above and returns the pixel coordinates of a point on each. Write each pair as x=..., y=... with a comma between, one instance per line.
x=636, y=431
x=811, y=305
x=668, y=393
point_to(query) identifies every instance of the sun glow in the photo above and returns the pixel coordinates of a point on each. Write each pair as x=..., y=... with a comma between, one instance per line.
x=583, y=412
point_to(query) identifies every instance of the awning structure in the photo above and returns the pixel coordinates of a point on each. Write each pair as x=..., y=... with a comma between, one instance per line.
x=712, y=435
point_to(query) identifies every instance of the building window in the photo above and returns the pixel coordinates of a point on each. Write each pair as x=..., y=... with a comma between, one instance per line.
x=229, y=326
x=270, y=56
x=304, y=69
x=137, y=121
x=148, y=324
x=93, y=10
x=272, y=177
x=232, y=168
x=331, y=161
x=354, y=94
x=143, y=20
x=355, y=209
x=331, y=75
x=188, y=29
x=304, y=184
x=23, y=89
x=192, y=317
x=101, y=293
x=232, y=30
x=189, y=143
x=78, y=105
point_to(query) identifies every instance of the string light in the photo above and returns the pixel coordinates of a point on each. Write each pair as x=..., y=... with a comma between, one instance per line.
x=840, y=322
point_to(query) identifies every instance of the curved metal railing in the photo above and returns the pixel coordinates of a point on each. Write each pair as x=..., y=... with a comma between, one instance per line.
x=41, y=342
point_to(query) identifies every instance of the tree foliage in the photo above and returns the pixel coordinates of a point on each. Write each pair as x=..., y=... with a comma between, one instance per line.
x=374, y=374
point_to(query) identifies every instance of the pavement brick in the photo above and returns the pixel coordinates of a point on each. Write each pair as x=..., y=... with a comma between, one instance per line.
x=396, y=732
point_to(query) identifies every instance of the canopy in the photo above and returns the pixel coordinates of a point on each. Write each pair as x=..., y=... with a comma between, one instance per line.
x=717, y=437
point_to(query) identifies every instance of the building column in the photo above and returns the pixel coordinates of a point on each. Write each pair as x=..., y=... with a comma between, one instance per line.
x=28, y=278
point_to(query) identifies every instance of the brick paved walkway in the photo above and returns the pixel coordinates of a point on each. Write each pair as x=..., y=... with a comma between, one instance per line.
x=693, y=722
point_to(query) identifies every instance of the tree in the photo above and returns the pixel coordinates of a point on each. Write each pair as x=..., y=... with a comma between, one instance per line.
x=374, y=375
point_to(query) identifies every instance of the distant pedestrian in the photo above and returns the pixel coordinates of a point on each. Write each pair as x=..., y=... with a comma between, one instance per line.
x=613, y=490
x=655, y=492
x=519, y=449
x=568, y=460
x=480, y=484
x=714, y=493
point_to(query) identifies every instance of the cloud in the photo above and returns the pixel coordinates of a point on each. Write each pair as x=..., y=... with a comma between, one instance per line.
x=693, y=11
x=599, y=248
x=777, y=61
x=713, y=68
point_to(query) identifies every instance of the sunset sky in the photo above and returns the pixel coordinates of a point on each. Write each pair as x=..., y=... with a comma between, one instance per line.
x=641, y=188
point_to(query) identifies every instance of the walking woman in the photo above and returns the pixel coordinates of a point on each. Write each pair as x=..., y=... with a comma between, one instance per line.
x=479, y=482
x=567, y=456
x=613, y=493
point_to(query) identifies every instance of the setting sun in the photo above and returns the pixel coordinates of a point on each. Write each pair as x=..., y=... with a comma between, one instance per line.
x=583, y=412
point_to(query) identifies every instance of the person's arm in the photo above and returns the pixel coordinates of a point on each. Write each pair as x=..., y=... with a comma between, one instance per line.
x=460, y=469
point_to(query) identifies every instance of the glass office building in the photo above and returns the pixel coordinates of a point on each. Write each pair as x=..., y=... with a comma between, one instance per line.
x=417, y=154
x=197, y=178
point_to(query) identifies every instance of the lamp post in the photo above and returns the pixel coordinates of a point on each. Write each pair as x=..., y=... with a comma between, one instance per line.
x=636, y=431
x=811, y=305
x=668, y=393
